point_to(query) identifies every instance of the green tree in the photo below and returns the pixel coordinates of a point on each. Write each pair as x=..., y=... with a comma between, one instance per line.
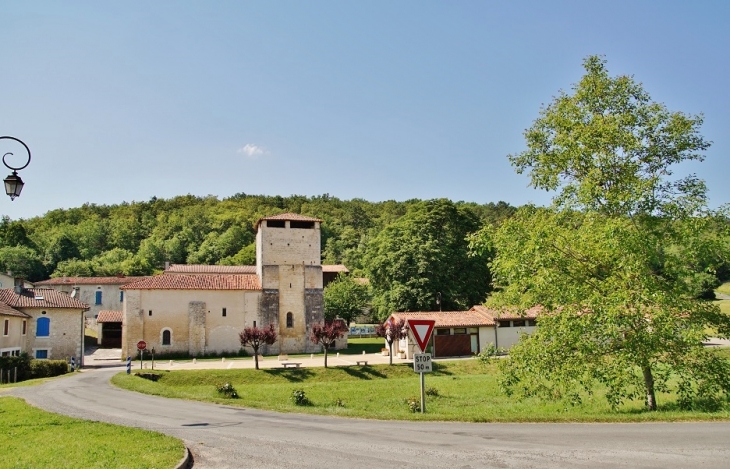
x=425, y=253
x=345, y=298
x=615, y=277
x=22, y=261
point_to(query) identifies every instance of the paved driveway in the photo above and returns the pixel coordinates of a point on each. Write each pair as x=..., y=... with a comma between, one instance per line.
x=227, y=437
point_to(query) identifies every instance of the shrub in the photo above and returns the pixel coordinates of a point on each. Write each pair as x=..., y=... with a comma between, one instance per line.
x=299, y=397
x=430, y=391
x=48, y=368
x=491, y=352
x=227, y=390
x=20, y=363
x=414, y=403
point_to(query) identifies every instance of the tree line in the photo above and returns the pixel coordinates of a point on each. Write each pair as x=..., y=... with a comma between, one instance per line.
x=412, y=251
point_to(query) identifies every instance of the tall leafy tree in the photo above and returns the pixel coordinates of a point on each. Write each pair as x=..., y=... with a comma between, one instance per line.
x=425, y=253
x=615, y=276
x=345, y=298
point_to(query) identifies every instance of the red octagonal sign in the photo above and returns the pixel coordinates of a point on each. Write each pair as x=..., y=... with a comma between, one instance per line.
x=141, y=345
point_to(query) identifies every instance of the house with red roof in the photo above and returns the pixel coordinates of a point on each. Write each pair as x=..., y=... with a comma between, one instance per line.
x=463, y=333
x=45, y=323
x=100, y=293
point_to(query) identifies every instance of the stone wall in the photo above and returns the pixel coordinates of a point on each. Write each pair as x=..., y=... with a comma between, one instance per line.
x=66, y=333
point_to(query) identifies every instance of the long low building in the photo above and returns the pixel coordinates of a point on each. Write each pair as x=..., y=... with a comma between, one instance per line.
x=463, y=333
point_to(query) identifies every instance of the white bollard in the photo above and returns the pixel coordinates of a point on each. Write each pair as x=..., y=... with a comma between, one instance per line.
x=195, y=360
x=170, y=362
x=363, y=352
x=338, y=354
x=223, y=359
x=311, y=356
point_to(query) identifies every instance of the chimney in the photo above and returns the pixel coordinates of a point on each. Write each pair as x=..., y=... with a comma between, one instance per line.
x=167, y=265
x=18, y=285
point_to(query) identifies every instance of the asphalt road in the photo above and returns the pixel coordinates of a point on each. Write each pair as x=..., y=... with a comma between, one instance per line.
x=227, y=437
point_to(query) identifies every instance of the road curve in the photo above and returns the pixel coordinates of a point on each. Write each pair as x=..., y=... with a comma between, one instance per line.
x=227, y=437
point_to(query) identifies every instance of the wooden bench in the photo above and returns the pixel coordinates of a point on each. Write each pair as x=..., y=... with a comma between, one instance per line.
x=290, y=364
x=362, y=362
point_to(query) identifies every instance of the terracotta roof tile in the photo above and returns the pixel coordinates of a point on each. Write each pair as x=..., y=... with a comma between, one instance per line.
x=6, y=310
x=478, y=315
x=287, y=216
x=40, y=298
x=210, y=269
x=233, y=269
x=89, y=281
x=109, y=316
x=469, y=318
x=531, y=313
x=197, y=282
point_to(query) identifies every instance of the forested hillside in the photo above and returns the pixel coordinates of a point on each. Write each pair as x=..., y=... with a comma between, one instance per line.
x=138, y=238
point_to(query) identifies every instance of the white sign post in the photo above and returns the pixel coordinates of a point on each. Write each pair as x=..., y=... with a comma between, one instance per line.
x=422, y=329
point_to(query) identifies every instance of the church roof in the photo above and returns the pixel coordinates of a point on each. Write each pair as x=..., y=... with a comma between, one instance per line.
x=197, y=282
x=234, y=269
x=117, y=280
x=210, y=269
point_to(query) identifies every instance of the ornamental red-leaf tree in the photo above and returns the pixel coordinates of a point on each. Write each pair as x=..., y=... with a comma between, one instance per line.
x=392, y=331
x=326, y=334
x=256, y=338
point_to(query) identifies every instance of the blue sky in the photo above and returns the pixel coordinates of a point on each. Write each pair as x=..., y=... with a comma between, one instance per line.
x=122, y=101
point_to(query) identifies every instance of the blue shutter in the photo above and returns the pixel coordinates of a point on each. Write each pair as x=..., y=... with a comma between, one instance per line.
x=98, y=297
x=43, y=327
x=41, y=353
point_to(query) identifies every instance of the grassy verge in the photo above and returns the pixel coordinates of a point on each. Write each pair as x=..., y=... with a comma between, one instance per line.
x=356, y=346
x=724, y=288
x=466, y=391
x=34, y=438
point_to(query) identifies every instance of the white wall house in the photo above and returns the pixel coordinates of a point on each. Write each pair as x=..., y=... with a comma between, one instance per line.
x=463, y=333
x=42, y=322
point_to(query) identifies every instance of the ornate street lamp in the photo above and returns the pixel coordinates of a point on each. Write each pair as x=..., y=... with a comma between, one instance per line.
x=13, y=183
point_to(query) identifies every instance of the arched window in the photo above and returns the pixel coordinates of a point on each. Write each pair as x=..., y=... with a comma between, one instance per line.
x=43, y=327
x=289, y=320
x=166, y=334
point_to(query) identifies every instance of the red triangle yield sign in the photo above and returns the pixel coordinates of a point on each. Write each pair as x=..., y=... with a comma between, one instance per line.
x=422, y=329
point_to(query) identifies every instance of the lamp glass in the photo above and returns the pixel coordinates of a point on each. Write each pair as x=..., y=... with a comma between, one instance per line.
x=13, y=185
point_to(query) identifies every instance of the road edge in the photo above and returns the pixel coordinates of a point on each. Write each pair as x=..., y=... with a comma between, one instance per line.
x=187, y=461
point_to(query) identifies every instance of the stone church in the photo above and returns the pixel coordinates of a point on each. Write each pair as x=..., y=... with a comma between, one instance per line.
x=202, y=309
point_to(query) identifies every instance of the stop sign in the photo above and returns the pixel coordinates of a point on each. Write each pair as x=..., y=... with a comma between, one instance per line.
x=141, y=345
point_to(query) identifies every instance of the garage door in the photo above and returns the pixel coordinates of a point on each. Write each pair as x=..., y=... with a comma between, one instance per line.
x=452, y=345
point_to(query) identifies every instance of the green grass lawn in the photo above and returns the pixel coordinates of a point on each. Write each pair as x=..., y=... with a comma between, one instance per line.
x=31, y=437
x=467, y=391
x=724, y=288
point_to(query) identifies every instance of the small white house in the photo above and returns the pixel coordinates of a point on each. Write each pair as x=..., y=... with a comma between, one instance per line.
x=464, y=333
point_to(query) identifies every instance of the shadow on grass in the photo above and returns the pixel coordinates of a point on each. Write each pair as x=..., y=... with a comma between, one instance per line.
x=363, y=372
x=293, y=375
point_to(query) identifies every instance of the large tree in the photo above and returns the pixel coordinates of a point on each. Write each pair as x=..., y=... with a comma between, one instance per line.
x=345, y=298
x=423, y=254
x=613, y=261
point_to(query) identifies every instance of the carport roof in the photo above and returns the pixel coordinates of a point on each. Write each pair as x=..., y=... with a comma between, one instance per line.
x=109, y=316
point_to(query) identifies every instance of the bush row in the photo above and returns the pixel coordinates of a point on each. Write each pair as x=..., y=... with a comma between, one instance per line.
x=23, y=367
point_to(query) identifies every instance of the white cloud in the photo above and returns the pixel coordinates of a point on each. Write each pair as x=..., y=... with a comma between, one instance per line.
x=252, y=151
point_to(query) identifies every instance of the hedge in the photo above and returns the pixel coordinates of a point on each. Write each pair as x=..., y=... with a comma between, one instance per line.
x=48, y=368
